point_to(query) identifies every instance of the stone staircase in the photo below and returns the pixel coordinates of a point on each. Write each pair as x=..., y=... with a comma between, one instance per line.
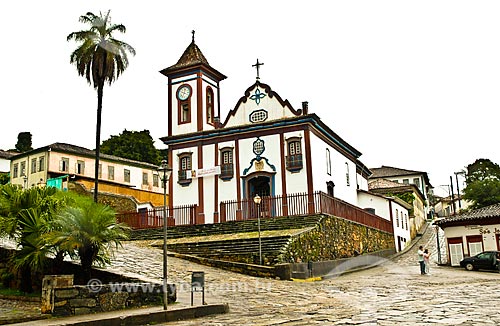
x=244, y=250
x=208, y=240
x=183, y=231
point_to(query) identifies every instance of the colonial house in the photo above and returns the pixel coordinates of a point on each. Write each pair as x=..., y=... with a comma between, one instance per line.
x=58, y=164
x=471, y=233
x=417, y=178
x=263, y=147
x=395, y=208
x=446, y=206
x=416, y=213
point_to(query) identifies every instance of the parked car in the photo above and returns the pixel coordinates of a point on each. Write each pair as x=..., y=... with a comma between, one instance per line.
x=483, y=260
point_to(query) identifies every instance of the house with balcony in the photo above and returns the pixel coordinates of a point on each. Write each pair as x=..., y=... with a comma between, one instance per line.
x=61, y=165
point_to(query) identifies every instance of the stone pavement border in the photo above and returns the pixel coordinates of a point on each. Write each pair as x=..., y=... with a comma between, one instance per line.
x=132, y=317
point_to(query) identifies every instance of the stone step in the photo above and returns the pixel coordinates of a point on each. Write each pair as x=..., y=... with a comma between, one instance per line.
x=183, y=231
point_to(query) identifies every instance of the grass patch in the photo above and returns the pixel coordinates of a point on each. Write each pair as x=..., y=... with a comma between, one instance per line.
x=15, y=292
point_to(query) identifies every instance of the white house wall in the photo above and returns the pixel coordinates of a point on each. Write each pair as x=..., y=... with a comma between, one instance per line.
x=184, y=128
x=342, y=190
x=488, y=233
x=184, y=195
x=208, y=183
x=385, y=207
x=295, y=181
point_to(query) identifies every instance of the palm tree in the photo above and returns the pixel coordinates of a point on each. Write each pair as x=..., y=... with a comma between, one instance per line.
x=100, y=58
x=25, y=216
x=89, y=231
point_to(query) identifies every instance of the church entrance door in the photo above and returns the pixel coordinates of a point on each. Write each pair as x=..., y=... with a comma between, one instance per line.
x=259, y=185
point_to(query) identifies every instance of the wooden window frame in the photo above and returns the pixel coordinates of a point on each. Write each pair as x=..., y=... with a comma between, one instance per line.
x=183, y=180
x=111, y=172
x=294, y=161
x=226, y=169
x=126, y=175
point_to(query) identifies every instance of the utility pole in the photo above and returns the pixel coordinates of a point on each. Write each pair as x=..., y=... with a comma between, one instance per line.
x=458, y=191
x=452, y=196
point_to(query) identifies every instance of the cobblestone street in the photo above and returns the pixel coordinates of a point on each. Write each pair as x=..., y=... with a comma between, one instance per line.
x=393, y=293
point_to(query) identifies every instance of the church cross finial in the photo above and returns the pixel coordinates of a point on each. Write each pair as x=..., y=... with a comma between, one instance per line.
x=192, y=32
x=257, y=66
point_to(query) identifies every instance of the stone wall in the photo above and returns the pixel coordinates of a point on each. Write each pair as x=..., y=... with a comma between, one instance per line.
x=78, y=299
x=335, y=238
x=119, y=203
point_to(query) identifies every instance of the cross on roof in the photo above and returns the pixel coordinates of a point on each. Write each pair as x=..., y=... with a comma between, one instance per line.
x=192, y=32
x=257, y=66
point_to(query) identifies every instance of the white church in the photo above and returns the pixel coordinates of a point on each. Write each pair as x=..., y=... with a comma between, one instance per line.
x=264, y=146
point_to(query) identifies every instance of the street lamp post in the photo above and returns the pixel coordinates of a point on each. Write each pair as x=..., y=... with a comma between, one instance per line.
x=165, y=171
x=257, y=201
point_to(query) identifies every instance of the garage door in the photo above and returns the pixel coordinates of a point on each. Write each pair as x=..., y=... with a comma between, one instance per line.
x=456, y=254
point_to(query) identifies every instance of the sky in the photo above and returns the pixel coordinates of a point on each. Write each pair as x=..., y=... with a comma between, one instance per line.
x=410, y=84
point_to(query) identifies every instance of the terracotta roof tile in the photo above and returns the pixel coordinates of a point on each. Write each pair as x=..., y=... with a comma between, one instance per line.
x=477, y=214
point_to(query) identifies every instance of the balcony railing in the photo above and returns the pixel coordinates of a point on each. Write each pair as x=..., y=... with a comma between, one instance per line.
x=153, y=218
x=271, y=206
x=301, y=204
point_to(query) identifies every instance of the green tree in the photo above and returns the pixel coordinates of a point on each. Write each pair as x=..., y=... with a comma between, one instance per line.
x=100, y=58
x=4, y=178
x=483, y=183
x=134, y=145
x=89, y=231
x=24, y=141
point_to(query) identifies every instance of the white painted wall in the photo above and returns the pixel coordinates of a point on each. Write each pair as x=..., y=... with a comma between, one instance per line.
x=274, y=109
x=4, y=165
x=185, y=127
x=344, y=191
x=184, y=195
x=384, y=207
x=208, y=183
x=488, y=233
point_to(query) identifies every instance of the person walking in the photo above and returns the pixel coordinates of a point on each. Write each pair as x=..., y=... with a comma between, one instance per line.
x=420, y=254
x=427, y=257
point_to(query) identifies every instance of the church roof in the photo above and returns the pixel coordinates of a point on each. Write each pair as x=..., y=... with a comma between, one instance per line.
x=191, y=57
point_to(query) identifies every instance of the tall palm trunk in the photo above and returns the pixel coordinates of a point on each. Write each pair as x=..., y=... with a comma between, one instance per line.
x=100, y=89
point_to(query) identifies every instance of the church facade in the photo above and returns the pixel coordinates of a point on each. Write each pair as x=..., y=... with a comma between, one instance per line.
x=264, y=146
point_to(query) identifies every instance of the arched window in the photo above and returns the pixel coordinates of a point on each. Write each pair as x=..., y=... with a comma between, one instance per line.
x=209, y=102
x=226, y=166
x=330, y=188
x=294, y=158
x=184, y=167
x=347, y=179
x=328, y=162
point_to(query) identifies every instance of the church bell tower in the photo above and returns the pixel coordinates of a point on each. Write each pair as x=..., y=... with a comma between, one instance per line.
x=193, y=93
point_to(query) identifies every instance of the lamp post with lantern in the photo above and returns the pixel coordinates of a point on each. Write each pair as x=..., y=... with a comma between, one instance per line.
x=164, y=174
x=257, y=200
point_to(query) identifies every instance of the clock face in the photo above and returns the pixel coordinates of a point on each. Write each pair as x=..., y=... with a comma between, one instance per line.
x=183, y=93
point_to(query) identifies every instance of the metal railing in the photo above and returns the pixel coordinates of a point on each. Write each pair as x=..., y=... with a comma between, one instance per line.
x=153, y=218
x=300, y=204
x=271, y=206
